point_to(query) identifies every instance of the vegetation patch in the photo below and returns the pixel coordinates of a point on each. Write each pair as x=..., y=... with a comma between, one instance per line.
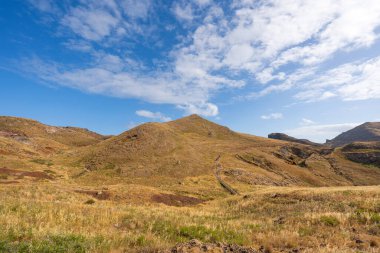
x=49, y=244
x=42, y=162
x=330, y=221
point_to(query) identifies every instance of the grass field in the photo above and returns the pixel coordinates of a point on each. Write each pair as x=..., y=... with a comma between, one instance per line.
x=48, y=217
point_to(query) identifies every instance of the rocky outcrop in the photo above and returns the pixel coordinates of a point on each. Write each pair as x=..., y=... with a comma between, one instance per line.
x=370, y=158
x=363, y=152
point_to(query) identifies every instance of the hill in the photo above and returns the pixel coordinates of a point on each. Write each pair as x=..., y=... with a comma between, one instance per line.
x=23, y=129
x=369, y=131
x=158, y=154
x=285, y=137
x=190, y=154
x=24, y=140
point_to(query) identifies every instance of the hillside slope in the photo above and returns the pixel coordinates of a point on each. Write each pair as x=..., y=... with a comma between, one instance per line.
x=369, y=131
x=21, y=129
x=154, y=153
x=189, y=155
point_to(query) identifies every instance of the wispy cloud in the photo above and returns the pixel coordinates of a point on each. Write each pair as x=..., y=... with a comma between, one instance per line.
x=153, y=115
x=137, y=8
x=92, y=23
x=307, y=122
x=276, y=115
x=43, y=5
x=183, y=11
x=274, y=45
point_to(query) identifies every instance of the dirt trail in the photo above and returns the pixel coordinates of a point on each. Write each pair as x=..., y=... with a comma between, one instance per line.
x=218, y=169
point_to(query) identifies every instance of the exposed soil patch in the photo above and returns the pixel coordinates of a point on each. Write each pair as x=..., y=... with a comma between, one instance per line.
x=21, y=173
x=100, y=195
x=9, y=182
x=195, y=246
x=176, y=200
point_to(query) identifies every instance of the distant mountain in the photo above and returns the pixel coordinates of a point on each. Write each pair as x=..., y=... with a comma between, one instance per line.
x=369, y=131
x=285, y=137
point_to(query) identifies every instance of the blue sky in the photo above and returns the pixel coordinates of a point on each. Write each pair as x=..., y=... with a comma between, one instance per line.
x=307, y=68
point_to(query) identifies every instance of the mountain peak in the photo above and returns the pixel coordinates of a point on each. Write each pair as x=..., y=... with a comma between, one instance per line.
x=368, y=131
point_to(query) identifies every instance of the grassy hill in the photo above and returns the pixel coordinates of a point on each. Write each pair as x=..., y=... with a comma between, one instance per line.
x=24, y=129
x=167, y=153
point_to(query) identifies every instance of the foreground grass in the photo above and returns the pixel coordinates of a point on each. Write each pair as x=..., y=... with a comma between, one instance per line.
x=45, y=218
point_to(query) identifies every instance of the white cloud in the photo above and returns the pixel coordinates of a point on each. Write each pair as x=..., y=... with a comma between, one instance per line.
x=43, y=5
x=153, y=115
x=264, y=36
x=307, y=122
x=319, y=133
x=202, y=2
x=156, y=88
x=137, y=8
x=183, y=12
x=255, y=40
x=89, y=23
x=78, y=45
x=205, y=109
x=238, y=55
x=272, y=116
x=352, y=81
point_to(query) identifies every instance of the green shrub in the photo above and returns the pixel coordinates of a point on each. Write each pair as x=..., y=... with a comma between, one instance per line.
x=375, y=218
x=330, y=221
x=141, y=241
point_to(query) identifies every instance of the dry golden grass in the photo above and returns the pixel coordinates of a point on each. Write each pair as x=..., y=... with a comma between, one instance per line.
x=46, y=217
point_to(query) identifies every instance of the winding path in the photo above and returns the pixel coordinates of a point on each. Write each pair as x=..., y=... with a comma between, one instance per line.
x=218, y=169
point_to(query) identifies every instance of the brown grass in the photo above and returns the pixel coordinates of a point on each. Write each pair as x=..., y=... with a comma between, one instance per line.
x=337, y=219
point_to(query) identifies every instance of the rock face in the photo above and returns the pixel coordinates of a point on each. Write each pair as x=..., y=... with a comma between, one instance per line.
x=372, y=158
x=363, y=152
x=285, y=137
x=369, y=131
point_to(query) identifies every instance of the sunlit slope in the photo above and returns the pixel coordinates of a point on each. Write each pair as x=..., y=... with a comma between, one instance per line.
x=25, y=130
x=188, y=147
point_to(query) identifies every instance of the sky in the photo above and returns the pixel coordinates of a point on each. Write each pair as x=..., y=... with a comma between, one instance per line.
x=307, y=68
